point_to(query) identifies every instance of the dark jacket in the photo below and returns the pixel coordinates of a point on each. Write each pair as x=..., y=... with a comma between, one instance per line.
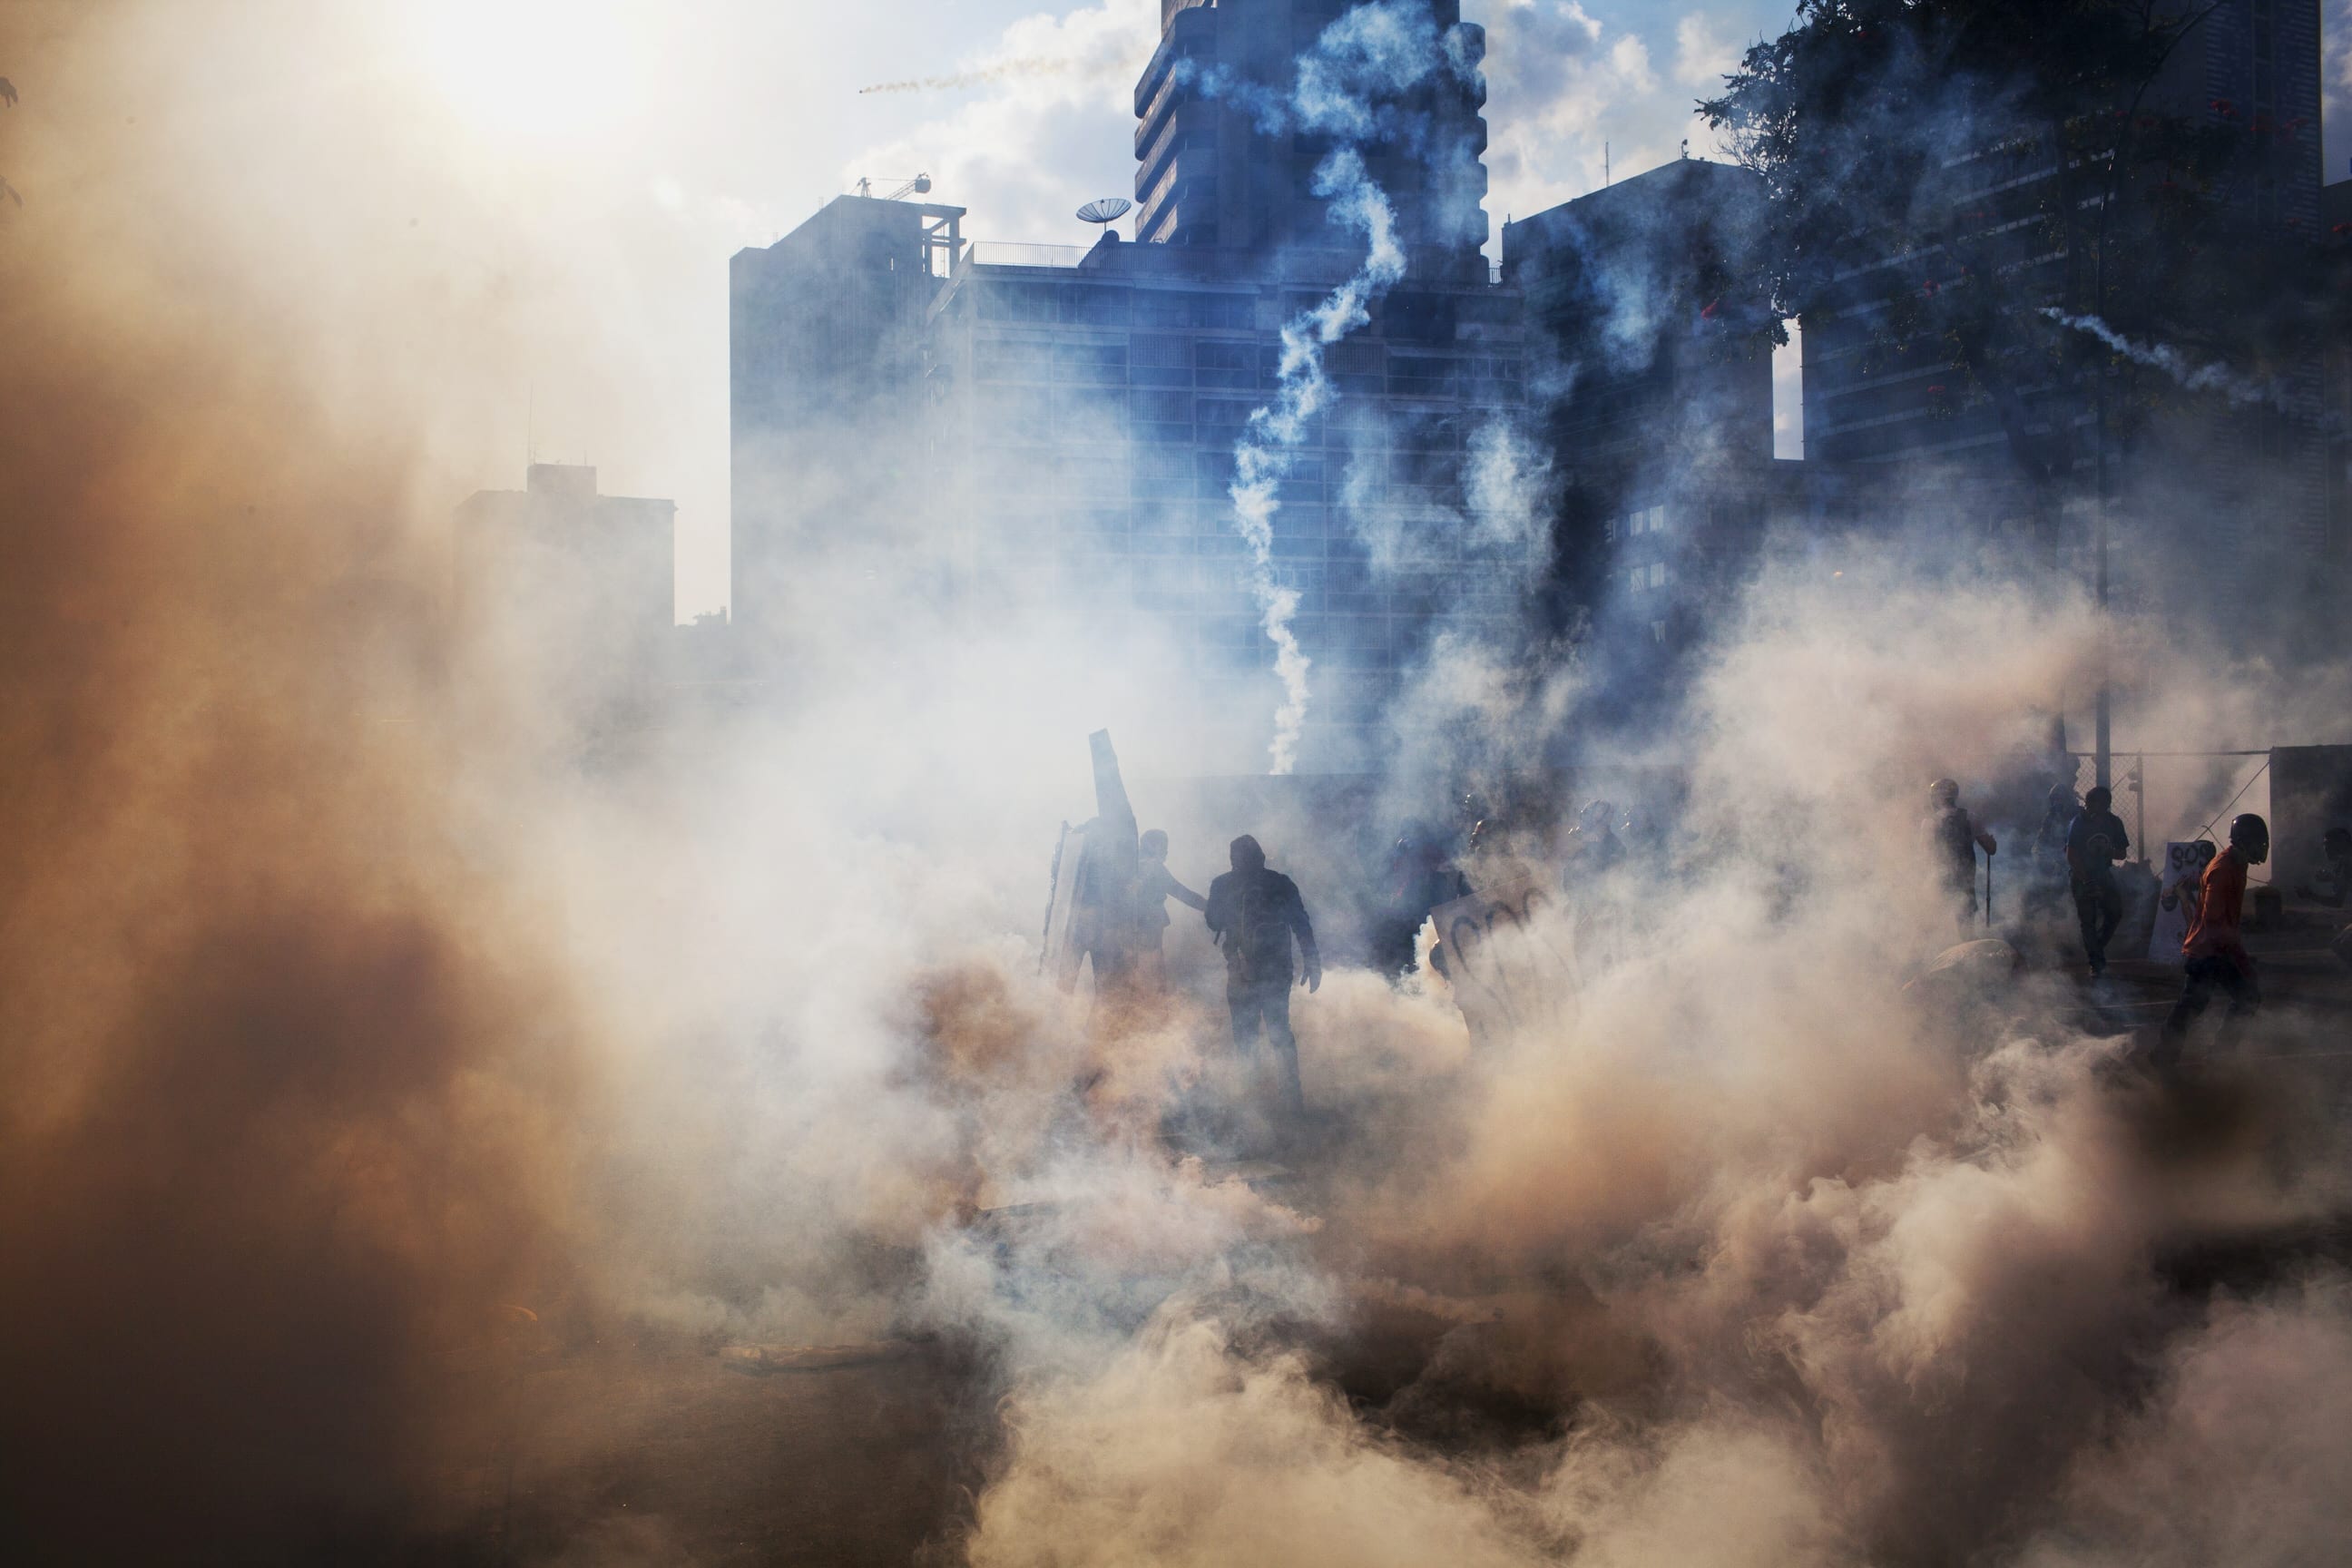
x=1255, y=914
x=1954, y=838
x=2085, y=858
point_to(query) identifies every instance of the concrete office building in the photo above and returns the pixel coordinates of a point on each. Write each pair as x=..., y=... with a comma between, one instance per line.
x=1210, y=171
x=1086, y=434
x=2211, y=498
x=1641, y=316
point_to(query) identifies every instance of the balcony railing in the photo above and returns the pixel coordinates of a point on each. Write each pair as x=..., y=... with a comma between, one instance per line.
x=1007, y=253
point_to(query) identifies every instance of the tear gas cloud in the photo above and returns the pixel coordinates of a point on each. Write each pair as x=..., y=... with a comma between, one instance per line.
x=351, y=1022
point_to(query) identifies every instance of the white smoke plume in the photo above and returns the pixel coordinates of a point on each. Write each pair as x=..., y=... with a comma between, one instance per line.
x=1272, y=437
x=2219, y=378
x=1348, y=86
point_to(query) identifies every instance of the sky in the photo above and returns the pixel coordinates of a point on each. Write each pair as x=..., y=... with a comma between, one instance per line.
x=576, y=173
x=644, y=146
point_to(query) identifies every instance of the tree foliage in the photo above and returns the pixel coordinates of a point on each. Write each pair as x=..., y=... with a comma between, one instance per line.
x=1966, y=175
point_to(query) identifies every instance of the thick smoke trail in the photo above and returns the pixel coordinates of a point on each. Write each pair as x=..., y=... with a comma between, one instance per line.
x=1271, y=439
x=1349, y=87
x=2164, y=357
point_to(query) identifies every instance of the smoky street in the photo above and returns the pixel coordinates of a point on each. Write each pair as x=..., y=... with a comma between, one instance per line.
x=1091, y=783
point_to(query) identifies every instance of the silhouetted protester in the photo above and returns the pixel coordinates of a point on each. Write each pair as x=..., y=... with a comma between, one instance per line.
x=2051, y=876
x=1418, y=878
x=2094, y=842
x=2215, y=948
x=1154, y=885
x=2332, y=887
x=1255, y=912
x=1955, y=840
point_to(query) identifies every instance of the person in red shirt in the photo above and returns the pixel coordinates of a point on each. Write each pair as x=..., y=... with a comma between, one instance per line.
x=2215, y=946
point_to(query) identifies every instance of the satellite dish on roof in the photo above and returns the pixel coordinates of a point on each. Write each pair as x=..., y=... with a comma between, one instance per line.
x=1110, y=209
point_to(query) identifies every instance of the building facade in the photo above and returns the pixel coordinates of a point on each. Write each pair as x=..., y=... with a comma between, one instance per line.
x=1085, y=434
x=1040, y=421
x=2210, y=494
x=1222, y=162
x=826, y=366
x=572, y=590
x=1654, y=342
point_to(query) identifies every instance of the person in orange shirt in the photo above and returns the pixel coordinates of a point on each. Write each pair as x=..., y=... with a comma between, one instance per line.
x=2215, y=947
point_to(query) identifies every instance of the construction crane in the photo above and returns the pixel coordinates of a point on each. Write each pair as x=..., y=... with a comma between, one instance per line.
x=919, y=185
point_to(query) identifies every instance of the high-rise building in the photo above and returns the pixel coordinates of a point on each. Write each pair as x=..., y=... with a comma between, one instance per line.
x=2220, y=497
x=1214, y=167
x=1650, y=331
x=1051, y=418
x=825, y=361
x=1085, y=434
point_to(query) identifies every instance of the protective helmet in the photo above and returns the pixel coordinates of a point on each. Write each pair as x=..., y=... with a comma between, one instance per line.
x=2250, y=836
x=2100, y=798
x=1945, y=792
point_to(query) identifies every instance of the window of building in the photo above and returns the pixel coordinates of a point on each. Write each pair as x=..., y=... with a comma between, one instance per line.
x=1093, y=363
x=1658, y=631
x=1012, y=359
x=1657, y=574
x=1092, y=305
x=1088, y=413
x=1167, y=407
x=1162, y=308
x=1421, y=378
x=1226, y=364
x=1229, y=311
x=1417, y=318
x=1159, y=351
x=1014, y=301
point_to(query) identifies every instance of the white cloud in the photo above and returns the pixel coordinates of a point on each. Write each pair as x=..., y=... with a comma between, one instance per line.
x=1702, y=55
x=1561, y=85
x=1049, y=123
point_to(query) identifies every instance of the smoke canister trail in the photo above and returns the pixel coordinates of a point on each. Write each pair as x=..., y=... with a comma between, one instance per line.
x=1271, y=439
x=1009, y=70
x=2166, y=358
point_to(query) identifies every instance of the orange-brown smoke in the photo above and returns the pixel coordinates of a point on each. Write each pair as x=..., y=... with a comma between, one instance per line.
x=282, y=1092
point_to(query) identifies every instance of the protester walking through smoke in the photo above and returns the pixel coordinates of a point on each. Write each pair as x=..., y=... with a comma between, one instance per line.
x=2215, y=948
x=1954, y=838
x=2095, y=840
x=1154, y=885
x=1255, y=913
